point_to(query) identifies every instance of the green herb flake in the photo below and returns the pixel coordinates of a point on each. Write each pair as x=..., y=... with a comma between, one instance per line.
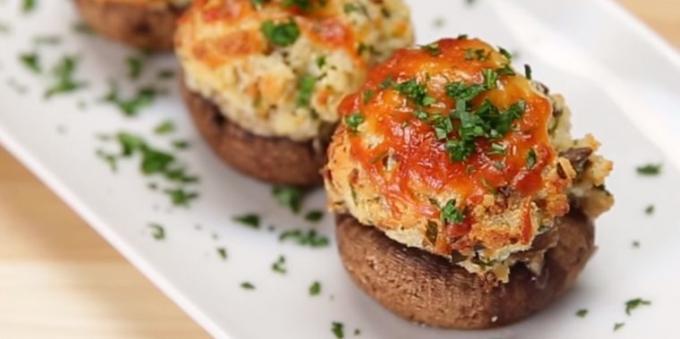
x=368, y=95
x=321, y=61
x=505, y=53
x=618, y=326
x=432, y=49
x=357, y=332
x=222, y=253
x=315, y=289
x=279, y=266
x=131, y=106
x=258, y=3
x=83, y=28
x=478, y=54
x=157, y=231
x=635, y=303
x=338, y=329
x=649, y=170
x=135, y=66
x=246, y=285
x=582, y=313
x=354, y=120
x=303, y=5
x=180, y=196
x=450, y=214
x=309, y=238
x=250, y=220
x=635, y=244
x=28, y=6
x=288, y=196
x=527, y=72
x=31, y=61
x=165, y=127
x=165, y=74
x=281, y=34
x=351, y=7
x=110, y=159
x=498, y=149
x=306, y=85
x=531, y=159
x=314, y=216
x=64, y=81
x=649, y=210
x=180, y=144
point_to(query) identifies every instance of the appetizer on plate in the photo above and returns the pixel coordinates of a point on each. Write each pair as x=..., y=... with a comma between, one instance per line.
x=463, y=200
x=145, y=24
x=263, y=79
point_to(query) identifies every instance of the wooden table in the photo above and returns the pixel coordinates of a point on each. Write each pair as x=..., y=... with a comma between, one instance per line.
x=59, y=279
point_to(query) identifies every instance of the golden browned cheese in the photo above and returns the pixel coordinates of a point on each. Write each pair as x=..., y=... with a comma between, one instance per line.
x=153, y=3
x=475, y=177
x=286, y=89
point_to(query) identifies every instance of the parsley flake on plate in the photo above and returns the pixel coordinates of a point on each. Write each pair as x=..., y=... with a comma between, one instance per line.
x=157, y=231
x=338, y=329
x=288, y=196
x=635, y=303
x=250, y=220
x=279, y=266
x=315, y=288
x=280, y=34
x=649, y=170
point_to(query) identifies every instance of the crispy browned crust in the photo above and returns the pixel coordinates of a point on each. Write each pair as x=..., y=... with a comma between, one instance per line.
x=136, y=25
x=272, y=159
x=429, y=289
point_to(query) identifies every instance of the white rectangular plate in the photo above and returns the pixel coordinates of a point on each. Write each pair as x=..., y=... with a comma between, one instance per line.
x=622, y=82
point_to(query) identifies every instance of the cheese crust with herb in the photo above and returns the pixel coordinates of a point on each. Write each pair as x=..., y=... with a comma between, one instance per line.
x=150, y=3
x=446, y=148
x=279, y=68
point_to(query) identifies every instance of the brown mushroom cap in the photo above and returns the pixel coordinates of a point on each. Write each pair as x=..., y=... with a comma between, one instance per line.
x=431, y=290
x=138, y=25
x=272, y=159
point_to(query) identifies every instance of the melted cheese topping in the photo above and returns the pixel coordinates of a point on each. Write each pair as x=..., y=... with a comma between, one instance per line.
x=153, y=3
x=392, y=170
x=227, y=58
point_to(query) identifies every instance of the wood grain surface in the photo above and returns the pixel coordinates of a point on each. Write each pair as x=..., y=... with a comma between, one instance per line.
x=59, y=279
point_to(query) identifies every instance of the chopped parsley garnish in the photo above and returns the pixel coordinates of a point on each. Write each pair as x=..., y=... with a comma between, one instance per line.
x=354, y=120
x=315, y=289
x=135, y=66
x=649, y=170
x=306, y=85
x=31, y=61
x=649, y=210
x=165, y=127
x=181, y=197
x=635, y=244
x=63, y=73
x=288, y=196
x=368, y=95
x=180, y=144
x=314, y=216
x=531, y=159
x=416, y=92
x=635, y=303
x=281, y=34
x=497, y=149
x=433, y=49
x=442, y=126
x=363, y=48
x=338, y=329
x=321, y=61
x=28, y=5
x=131, y=107
x=505, y=53
x=479, y=54
x=305, y=238
x=258, y=3
x=527, y=71
x=351, y=7
x=582, y=313
x=279, y=266
x=618, y=326
x=153, y=161
x=250, y=220
x=304, y=5
x=450, y=214
x=157, y=231
x=166, y=74
x=246, y=285
x=222, y=252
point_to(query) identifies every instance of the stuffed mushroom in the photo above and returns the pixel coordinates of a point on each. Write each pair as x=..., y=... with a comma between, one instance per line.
x=263, y=79
x=144, y=24
x=462, y=199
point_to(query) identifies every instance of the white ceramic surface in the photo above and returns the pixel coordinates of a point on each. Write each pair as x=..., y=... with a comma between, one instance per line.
x=621, y=80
